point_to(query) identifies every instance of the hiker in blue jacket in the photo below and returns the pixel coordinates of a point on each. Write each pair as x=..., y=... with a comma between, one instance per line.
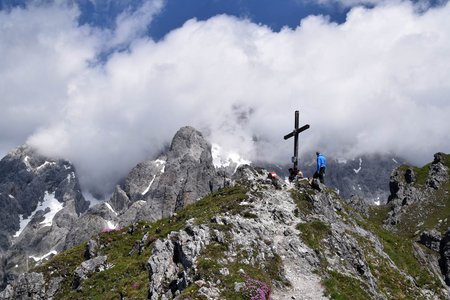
x=321, y=165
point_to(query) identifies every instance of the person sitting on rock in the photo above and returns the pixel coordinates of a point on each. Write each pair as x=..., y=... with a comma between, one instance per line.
x=292, y=174
x=275, y=180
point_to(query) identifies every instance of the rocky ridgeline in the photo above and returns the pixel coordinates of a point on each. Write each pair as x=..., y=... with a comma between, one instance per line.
x=298, y=242
x=41, y=200
x=419, y=195
x=255, y=236
x=406, y=190
x=33, y=186
x=155, y=189
x=365, y=177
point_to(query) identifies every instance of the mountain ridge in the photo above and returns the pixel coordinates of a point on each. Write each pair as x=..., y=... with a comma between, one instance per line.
x=254, y=238
x=331, y=233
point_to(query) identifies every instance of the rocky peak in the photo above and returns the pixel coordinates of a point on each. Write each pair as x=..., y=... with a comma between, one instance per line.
x=157, y=188
x=40, y=199
x=438, y=171
x=410, y=185
x=190, y=142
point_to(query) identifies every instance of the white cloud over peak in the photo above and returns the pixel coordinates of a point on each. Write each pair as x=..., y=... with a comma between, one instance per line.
x=378, y=82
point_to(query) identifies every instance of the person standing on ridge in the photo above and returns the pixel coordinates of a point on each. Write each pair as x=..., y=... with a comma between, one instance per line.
x=321, y=165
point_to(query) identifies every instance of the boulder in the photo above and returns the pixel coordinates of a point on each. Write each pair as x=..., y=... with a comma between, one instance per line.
x=172, y=261
x=27, y=286
x=431, y=239
x=96, y=264
x=438, y=171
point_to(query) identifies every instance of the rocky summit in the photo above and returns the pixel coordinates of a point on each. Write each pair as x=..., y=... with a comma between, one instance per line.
x=179, y=228
x=40, y=201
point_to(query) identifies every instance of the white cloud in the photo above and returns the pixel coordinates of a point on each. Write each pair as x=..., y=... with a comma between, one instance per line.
x=419, y=4
x=378, y=82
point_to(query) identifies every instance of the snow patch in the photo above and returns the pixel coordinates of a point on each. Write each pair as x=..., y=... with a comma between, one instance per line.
x=70, y=176
x=395, y=161
x=341, y=161
x=110, y=225
x=149, y=185
x=11, y=196
x=27, y=163
x=49, y=202
x=46, y=163
x=359, y=169
x=53, y=204
x=53, y=252
x=110, y=208
x=23, y=224
x=162, y=163
x=377, y=203
x=221, y=159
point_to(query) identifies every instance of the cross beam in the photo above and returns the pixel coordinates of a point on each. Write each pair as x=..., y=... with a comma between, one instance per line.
x=295, y=134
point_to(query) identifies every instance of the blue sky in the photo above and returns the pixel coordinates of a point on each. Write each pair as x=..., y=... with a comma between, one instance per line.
x=106, y=84
x=275, y=14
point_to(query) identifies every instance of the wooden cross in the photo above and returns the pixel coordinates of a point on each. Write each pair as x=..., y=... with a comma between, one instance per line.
x=295, y=134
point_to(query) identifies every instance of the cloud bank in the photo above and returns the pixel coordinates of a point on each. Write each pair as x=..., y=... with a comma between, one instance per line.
x=380, y=82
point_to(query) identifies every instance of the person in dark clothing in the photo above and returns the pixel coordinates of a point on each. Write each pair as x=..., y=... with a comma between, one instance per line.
x=321, y=166
x=293, y=172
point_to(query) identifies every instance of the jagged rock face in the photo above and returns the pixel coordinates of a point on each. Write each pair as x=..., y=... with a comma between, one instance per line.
x=404, y=190
x=445, y=256
x=156, y=189
x=174, y=256
x=29, y=286
x=189, y=170
x=431, y=239
x=26, y=180
x=97, y=219
x=438, y=172
x=40, y=201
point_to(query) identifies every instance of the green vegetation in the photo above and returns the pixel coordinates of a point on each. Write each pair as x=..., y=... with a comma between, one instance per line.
x=342, y=287
x=303, y=200
x=399, y=245
x=420, y=173
x=128, y=276
x=389, y=279
x=337, y=285
x=213, y=260
x=313, y=233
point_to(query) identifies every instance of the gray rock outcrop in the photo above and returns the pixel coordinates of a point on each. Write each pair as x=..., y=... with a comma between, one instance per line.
x=445, y=256
x=171, y=266
x=431, y=239
x=28, y=286
x=405, y=190
x=40, y=199
x=156, y=189
x=87, y=268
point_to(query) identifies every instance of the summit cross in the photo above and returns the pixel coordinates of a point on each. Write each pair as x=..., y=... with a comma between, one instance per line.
x=295, y=134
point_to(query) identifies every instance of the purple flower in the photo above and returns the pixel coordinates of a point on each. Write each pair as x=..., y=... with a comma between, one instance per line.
x=257, y=290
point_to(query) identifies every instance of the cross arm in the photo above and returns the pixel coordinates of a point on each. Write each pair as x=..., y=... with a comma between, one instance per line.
x=296, y=131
